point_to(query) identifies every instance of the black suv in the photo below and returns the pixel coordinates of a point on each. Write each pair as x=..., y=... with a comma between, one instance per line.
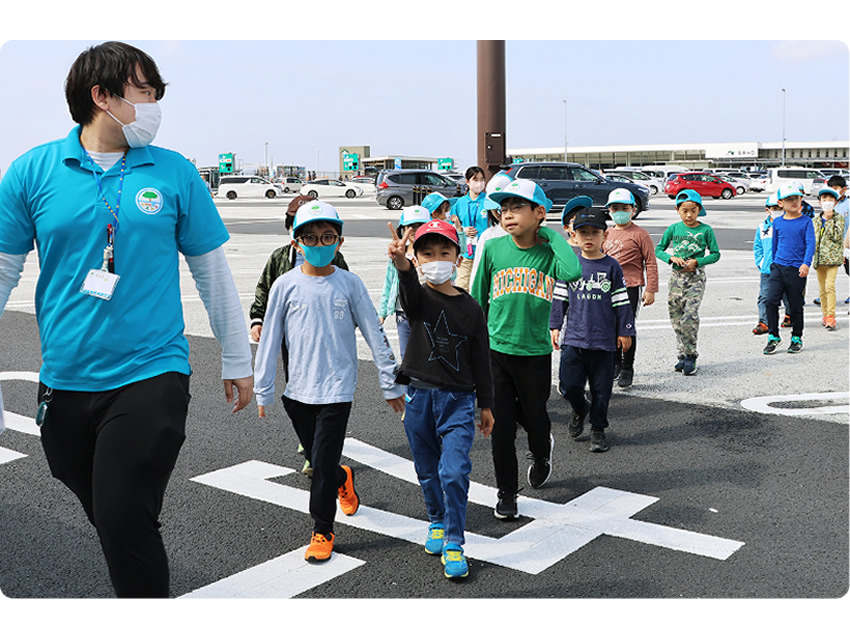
x=561, y=181
x=407, y=187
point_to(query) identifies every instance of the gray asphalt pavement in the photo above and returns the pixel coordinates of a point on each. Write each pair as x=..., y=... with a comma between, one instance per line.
x=729, y=484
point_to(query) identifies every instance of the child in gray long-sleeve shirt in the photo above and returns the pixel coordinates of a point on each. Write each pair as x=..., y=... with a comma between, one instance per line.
x=316, y=308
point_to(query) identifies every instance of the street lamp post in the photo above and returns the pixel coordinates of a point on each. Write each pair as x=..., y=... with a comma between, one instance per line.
x=268, y=172
x=565, y=129
x=783, y=127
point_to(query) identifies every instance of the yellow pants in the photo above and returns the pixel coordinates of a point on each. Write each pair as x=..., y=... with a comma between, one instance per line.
x=465, y=270
x=826, y=284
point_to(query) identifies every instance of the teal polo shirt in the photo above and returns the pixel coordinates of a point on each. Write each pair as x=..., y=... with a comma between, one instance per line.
x=50, y=198
x=471, y=212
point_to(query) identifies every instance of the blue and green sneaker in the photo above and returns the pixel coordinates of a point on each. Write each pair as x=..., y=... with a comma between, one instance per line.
x=455, y=561
x=435, y=539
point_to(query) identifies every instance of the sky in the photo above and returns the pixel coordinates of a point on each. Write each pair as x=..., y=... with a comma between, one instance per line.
x=304, y=99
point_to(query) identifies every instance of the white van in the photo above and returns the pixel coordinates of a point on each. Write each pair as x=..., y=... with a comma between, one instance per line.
x=233, y=186
x=664, y=171
x=777, y=177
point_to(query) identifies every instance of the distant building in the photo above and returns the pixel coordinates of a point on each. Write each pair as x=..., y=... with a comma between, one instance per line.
x=706, y=155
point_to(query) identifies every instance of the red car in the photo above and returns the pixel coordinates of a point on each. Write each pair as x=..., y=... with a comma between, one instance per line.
x=706, y=184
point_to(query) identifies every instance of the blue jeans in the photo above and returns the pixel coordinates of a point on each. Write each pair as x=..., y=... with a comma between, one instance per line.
x=440, y=427
x=762, y=300
x=403, y=327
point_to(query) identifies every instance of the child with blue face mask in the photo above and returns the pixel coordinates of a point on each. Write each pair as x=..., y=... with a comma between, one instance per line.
x=314, y=310
x=633, y=249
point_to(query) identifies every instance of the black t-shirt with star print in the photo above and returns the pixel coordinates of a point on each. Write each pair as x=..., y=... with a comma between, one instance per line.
x=449, y=345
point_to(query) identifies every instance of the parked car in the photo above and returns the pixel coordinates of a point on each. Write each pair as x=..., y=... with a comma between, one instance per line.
x=739, y=184
x=402, y=187
x=787, y=174
x=321, y=188
x=368, y=187
x=561, y=181
x=654, y=185
x=291, y=184
x=759, y=184
x=737, y=176
x=233, y=186
x=706, y=184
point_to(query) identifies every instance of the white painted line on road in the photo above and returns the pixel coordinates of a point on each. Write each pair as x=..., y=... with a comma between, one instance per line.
x=763, y=404
x=283, y=577
x=7, y=456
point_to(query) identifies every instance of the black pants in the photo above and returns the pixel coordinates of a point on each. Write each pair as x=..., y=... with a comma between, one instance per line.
x=521, y=386
x=785, y=279
x=627, y=358
x=321, y=429
x=596, y=367
x=115, y=450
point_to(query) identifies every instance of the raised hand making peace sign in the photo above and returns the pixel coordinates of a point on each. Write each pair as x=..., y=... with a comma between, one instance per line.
x=397, y=249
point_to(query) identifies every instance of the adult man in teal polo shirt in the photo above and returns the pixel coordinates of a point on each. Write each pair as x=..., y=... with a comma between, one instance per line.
x=110, y=215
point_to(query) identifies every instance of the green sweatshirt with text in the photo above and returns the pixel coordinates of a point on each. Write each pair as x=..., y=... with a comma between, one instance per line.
x=689, y=243
x=514, y=288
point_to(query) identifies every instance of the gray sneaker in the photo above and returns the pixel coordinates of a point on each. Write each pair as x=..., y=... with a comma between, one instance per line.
x=598, y=442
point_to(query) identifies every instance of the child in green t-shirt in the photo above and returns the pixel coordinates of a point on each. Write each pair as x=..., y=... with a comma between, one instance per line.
x=689, y=239
x=514, y=284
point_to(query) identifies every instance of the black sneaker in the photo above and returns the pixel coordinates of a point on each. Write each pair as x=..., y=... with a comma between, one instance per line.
x=505, y=506
x=626, y=377
x=690, y=365
x=598, y=442
x=772, y=345
x=541, y=468
x=680, y=364
x=576, y=426
x=796, y=345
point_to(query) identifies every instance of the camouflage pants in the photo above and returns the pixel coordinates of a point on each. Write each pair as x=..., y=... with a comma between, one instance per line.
x=684, y=297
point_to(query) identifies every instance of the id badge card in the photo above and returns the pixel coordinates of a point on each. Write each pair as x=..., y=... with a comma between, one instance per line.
x=100, y=284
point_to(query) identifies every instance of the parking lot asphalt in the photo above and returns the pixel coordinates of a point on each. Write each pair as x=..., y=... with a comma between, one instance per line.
x=751, y=451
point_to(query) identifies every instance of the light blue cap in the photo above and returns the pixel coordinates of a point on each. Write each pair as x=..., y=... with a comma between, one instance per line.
x=414, y=215
x=434, y=200
x=524, y=189
x=789, y=190
x=489, y=204
x=829, y=191
x=315, y=211
x=575, y=206
x=690, y=195
x=772, y=200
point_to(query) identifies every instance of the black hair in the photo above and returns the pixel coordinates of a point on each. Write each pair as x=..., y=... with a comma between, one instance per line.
x=472, y=171
x=836, y=180
x=111, y=65
x=433, y=239
x=311, y=226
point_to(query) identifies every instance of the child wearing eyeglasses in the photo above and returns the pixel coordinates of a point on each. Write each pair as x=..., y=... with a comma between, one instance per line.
x=282, y=260
x=314, y=310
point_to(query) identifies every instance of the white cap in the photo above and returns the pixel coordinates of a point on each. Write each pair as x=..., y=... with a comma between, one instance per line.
x=497, y=183
x=621, y=196
x=315, y=211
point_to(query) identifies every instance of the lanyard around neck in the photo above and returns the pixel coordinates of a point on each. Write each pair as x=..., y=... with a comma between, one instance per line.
x=115, y=210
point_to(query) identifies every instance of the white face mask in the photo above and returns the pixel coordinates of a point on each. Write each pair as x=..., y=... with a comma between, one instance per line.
x=775, y=213
x=141, y=132
x=827, y=205
x=437, y=272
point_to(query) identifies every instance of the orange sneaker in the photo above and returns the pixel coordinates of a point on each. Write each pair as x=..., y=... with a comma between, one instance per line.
x=349, y=502
x=320, y=549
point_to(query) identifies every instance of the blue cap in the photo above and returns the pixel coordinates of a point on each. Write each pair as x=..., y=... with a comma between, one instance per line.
x=524, y=189
x=489, y=204
x=414, y=215
x=789, y=190
x=689, y=195
x=434, y=200
x=829, y=191
x=315, y=211
x=575, y=206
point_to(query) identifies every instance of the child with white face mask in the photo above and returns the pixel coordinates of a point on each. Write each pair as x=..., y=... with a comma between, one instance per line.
x=473, y=217
x=446, y=364
x=829, y=252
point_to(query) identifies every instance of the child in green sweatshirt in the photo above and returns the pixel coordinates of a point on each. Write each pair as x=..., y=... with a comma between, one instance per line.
x=689, y=239
x=514, y=284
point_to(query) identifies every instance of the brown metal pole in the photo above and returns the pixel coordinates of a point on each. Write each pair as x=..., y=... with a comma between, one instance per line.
x=491, y=105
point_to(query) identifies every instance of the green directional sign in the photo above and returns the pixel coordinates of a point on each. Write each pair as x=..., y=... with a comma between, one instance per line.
x=445, y=164
x=350, y=161
x=226, y=162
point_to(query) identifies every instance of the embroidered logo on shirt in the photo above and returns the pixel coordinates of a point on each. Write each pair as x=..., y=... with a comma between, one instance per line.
x=149, y=201
x=444, y=343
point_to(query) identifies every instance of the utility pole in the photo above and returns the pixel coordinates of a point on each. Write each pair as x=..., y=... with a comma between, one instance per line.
x=783, y=127
x=491, y=105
